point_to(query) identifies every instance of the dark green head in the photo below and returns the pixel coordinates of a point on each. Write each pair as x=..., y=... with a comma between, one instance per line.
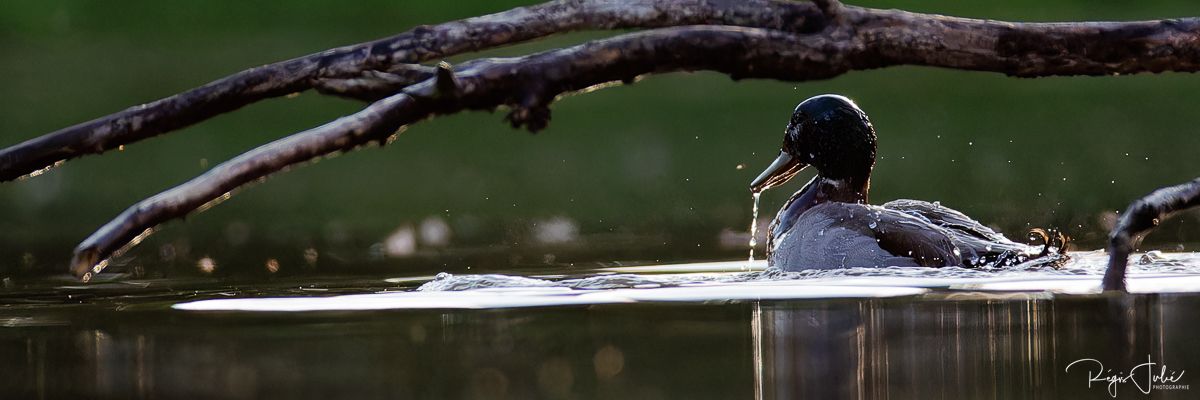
x=830, y=133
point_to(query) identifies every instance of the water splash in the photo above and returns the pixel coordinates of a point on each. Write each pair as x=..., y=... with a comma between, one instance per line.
x=1083, y=266
x=753, y=230
x=727, y=281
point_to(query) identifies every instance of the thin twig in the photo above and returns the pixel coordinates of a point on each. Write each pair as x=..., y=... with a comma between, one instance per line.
x=380, y=119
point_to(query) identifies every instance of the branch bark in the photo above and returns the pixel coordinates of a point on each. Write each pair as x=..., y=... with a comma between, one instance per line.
x=751, y=39
x=1138, y=220
x=324, y=70
x=527, y=84
x=1098, y=48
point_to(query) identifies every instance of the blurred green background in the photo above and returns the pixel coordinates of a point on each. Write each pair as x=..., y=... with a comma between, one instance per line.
x=654, y=171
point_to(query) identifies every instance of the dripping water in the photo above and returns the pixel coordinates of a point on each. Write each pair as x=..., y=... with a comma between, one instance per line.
x=753, y=229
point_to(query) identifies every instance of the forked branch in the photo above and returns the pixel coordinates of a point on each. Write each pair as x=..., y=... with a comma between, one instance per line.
x=745, y=39
x=341, y=70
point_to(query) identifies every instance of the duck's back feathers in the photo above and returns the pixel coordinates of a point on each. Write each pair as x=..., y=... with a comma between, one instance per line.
x=978, y=244
x=845, y=235
x=904, y=233
x=945, y=217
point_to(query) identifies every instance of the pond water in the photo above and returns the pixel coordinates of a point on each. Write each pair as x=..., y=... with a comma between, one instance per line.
x=707, y=330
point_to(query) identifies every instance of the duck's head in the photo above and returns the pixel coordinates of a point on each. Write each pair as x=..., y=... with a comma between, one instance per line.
x=830, y=133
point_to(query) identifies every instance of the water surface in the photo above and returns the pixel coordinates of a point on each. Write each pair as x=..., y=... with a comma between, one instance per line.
x=707, y=330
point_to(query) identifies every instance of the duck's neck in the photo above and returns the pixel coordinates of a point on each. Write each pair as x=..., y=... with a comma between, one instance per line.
x=819, y=190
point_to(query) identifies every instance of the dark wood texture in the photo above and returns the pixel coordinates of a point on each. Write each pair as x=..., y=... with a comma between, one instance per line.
x=745, y=39
x=1138, y=220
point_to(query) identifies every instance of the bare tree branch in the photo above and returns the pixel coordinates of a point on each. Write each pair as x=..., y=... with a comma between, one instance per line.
x=748, y=39
x=375, y=85
x=1101, y=48
x=1139, y=219
x=378, y=120
x=830, y=8
x=420, y=44
x=529, y=84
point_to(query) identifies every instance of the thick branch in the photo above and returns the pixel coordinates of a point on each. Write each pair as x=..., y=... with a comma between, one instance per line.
x=778, y=40
x=1139, y=219
x=529, y=84
x=524, y=83
x=421, y=44
x=375, y=85
x=1021, y=49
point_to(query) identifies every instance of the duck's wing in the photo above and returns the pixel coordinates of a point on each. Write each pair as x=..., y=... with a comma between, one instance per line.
x=979, y=245
x=907, y=235
x=843, y=235
x=947, y=218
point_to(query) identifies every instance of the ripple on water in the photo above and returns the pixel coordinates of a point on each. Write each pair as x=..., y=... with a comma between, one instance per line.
x=705, y=282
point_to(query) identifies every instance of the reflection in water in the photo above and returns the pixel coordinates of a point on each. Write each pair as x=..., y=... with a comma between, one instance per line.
x=1016, y=346
x=648, y=332
x=942, y=345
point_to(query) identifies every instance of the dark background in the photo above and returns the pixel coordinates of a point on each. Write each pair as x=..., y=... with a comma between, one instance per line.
x=647, y=172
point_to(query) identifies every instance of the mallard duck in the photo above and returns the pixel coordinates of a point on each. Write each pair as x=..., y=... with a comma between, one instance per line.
x=829, y=224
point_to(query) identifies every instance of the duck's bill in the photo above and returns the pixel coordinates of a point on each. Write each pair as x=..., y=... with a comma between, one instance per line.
x=781, y=170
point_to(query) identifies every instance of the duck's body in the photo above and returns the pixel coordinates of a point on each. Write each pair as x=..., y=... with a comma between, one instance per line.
x=828, y=224
x=901, y=233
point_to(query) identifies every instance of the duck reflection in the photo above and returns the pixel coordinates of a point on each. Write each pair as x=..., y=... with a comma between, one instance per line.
x=937, y=346
x=1017, y=346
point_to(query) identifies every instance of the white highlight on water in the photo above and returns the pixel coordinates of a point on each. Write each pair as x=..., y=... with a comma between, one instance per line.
x=753, y=230
x=719, y=281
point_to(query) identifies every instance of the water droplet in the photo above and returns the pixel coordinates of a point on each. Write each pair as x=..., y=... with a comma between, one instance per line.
x=872, y=224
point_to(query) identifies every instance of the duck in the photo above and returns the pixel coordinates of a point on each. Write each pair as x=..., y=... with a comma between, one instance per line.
x=829, y=223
